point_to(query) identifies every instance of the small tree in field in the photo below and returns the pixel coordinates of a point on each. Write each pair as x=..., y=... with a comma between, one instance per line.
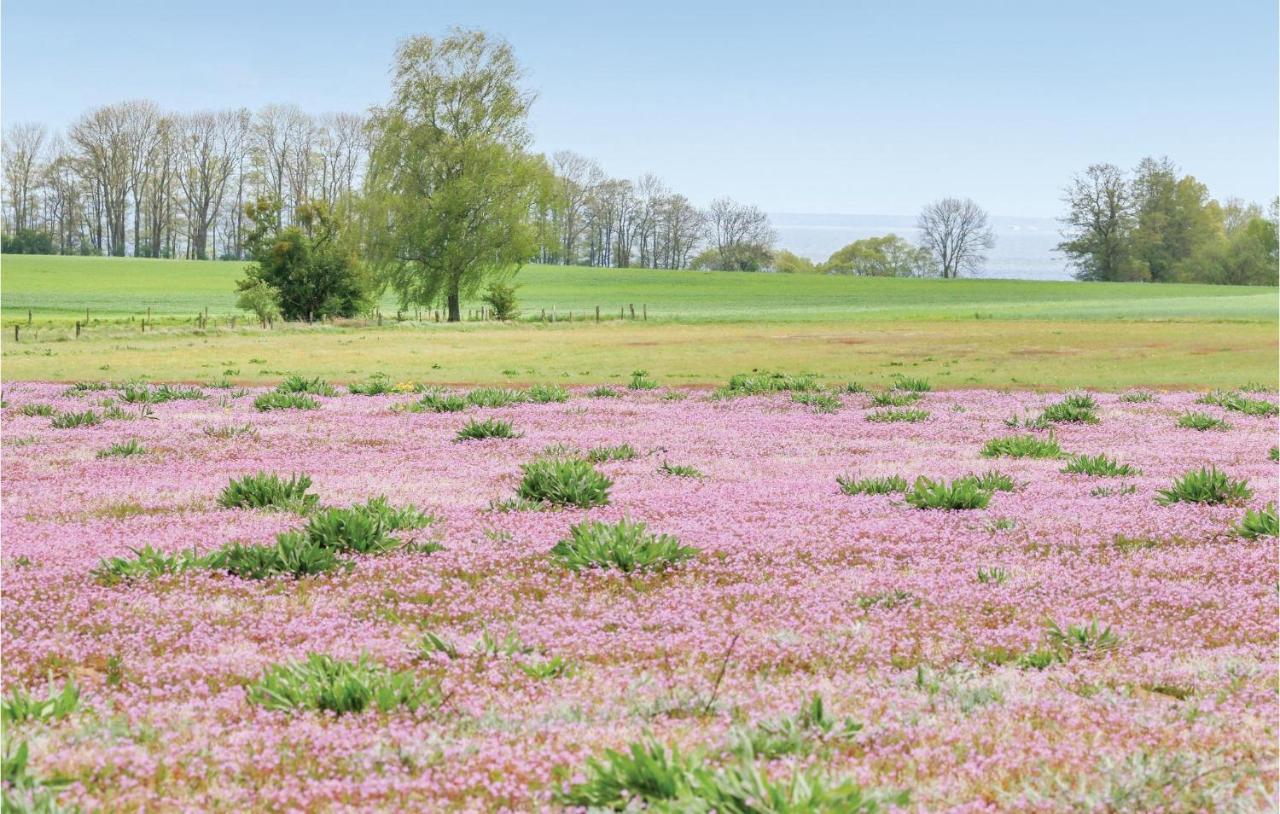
x=957, y=233
x=450, y=188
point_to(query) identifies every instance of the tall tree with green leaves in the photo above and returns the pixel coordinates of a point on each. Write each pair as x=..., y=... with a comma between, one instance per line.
x=1176, y=218
x=1099, y=225
x=451, y=193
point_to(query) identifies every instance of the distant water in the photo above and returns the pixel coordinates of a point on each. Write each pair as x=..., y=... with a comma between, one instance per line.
x=1024, y=246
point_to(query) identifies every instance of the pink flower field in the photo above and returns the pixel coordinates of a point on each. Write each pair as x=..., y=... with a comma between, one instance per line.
x=1080, y=642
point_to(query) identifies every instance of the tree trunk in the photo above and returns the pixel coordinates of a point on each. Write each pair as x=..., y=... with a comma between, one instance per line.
x=455, y=310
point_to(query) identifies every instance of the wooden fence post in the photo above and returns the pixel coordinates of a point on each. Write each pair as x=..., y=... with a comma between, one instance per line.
x=644, y=313
x=15, y=333
x=597, y=313
x=77, y=329
x=633, y=311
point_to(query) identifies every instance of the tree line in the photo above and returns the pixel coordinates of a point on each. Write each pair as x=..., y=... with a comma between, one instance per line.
x=1156, y=224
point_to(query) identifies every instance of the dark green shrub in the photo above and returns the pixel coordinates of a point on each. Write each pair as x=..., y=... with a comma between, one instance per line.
x=1211, y=486
x=284, y=401
x=1260, y=523
x=314, y=386
x=617, y=452
x=872, y=486
x=475, y=430
x=890, y=416
x=377, y=385
x=294, y=554
x=820, y=402
x=640, y=381
x=964, y=493
x=1022, y=446
x=501, y=297
x=564, y=482
x=679, y=470
x=625, y=546
x=910, y=385
x=268, y=491
x=752, y=384
x=603, y=393
x=1074, y=409
x=493, y=397
x=439, y=403
x=67, y=421
x=1099, y=466
x=322, y=683
x=546, y=393
x=123, y=450
x=1202, y=422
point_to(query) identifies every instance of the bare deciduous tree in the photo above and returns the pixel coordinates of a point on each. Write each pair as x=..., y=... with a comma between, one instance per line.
x=740, y=234
x=958, y=234
x=22, y=152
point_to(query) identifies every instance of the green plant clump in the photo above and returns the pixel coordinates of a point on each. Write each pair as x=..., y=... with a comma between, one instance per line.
x=475, y=430
x=1074, y=409
x=564, y=482
x=1201, y=422
x=1099, y=466
x=616, y=452
x=820, y=402
x=625, y=546
x=1260, y=523
x=963, y=493
x=1209, y=486
x=68, y=421
x=891, y=416
x=300, y=384
x=1022, y=446
x=871, y=486
x=323, y=683
x=268, y=491
x=123, y=449
x=284, y=401
x=493, y=397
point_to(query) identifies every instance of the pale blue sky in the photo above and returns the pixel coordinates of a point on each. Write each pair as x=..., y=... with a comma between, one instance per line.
x=795, y=106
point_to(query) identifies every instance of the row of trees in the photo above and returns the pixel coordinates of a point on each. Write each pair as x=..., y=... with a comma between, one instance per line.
x=1156, y=224
x=131, y=179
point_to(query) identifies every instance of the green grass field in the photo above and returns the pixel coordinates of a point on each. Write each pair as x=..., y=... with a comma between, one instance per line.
x=702, y=327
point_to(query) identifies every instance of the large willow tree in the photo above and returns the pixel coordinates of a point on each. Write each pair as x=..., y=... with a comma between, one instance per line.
x=450, y=188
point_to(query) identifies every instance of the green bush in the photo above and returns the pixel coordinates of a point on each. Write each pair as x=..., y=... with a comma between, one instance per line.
x=323, y=683
x=1202, y=422
x=910, y=385
x=314, y=386
x=820, y=402
x=377, y=385
x=546, y=393
x=872, y=486
x=439, y=403
x=493, y=397
x=603, y=393
x=992, y=481
x=68, y=421
x=1099, y=466
x=294, y=554
x=501, y=297
x=640, y=380
x=1273, y=454
x=145, y=562
x=123, y=449
x=45, y=410
x=679, y=470
x=892, y=398
x=891, y=416
x=626, y=546
x=964, y=493
x=617, y=452
x=284, y=401
x=1260, y=523
x=564, y=482
x=1022, y=446
x=1211, y=486
x=1074, y=409
x=752, y=384
x=475, y=430
x=268, y=491
x=20, y=706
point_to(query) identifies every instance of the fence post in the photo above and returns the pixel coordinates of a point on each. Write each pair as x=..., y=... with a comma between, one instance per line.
x=644, y=313
x=633, y=310
x=86, y=316
x=622, y=312
x=28, y=317
x=77, y=329
x=597, y=313
x=15, y=333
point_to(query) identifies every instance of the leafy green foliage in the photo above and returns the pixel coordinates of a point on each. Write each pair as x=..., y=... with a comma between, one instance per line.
x=475, y=430
x=376, y=385
x=546, y=393
x=564, y=482
x=501, y=297
x=23, y=792
x=679, y=470
x=603, y=393
x=992, y=481
x=1022, y=446
x=964, y=493
x=1080, y=640
x=616, y=452
x=871, y=486
x=754, y=384
x=136, y=393
x=554, y=667
x=34, y=409
x=992, y=576
x=123, y=449
x=820, y=402
x=146, y=562
x=68, y=421
x=1202, y=422
x=228, y=431
x=1237, y=403
x=493, y=397
x=1211, y=486
x=294, y=554
x=1260, y=523
x=323, y=683
x=894, y=398
x=909, y=384
x=1137, y=397
x=891, y=416
x=314, y=386
x=268, y=491
x=1074, y=409
x=20, y=706
x=626, y=546
x=439, y=403
x=800, y=734
x=1273, y=454
x=640, y=380
x=284, y=401
x=1099, y=466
